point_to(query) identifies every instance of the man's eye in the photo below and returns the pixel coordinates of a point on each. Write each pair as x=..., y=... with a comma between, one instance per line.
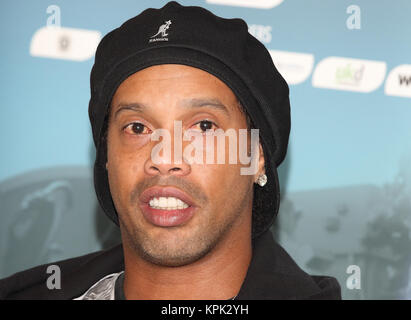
x=204, y=125
x=137, y=128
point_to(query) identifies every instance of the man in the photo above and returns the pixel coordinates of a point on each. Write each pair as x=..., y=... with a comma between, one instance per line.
x=168, y=80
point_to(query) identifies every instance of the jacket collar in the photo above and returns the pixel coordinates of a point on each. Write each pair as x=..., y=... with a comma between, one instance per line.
x=273, y=274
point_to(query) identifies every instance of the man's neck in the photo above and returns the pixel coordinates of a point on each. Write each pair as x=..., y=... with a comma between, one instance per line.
x=218, y=275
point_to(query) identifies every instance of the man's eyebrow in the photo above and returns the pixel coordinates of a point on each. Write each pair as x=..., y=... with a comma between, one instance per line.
x=135, y=106
x=201, y=102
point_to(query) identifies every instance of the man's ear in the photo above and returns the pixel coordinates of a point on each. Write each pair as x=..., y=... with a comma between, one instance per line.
x=261, y=163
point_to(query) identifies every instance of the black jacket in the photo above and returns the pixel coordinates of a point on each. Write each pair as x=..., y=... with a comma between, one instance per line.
x=272, y=274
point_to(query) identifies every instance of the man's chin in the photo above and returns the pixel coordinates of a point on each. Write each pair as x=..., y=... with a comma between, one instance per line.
x=174, y=248
x=176, y=260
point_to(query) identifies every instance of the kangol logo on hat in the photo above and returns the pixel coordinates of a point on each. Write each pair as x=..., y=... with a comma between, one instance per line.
x=162, y=31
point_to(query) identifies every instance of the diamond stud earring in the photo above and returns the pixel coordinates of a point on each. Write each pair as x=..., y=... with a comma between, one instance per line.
x=262, y=180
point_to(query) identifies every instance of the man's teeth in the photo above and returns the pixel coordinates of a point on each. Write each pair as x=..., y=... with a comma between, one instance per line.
x=167, y=203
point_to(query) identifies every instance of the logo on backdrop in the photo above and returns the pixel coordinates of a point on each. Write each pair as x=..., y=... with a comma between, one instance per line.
x=261, y=32
x=56, y=42
x=162, y=32
x=293, y=66
x=260, y=4
x=399, y=81
x=349, y=74
x=64, y=43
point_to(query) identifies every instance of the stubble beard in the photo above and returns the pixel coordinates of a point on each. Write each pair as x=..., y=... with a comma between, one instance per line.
x=184, y=248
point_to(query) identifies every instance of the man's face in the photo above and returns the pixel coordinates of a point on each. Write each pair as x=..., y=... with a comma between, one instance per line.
x=216, y=199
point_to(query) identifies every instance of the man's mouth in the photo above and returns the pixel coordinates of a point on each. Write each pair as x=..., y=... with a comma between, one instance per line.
x=166, y=206
x=167, y=203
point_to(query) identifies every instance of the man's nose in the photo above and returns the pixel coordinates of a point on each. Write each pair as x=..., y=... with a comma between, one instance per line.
x=173, y=164
x=164, y=167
